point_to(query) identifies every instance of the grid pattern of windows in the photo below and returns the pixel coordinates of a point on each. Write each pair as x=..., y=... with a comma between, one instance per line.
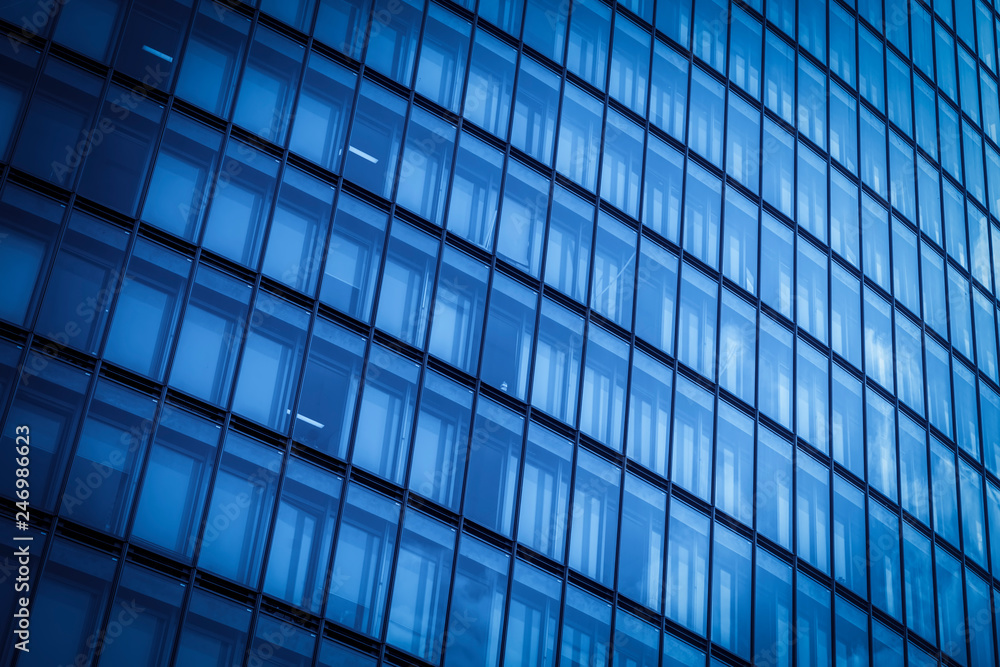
x=361, y=332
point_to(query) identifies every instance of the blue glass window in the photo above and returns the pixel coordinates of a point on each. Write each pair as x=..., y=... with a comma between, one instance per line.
x=656, y=296
x=739, y=242
x=475, y=191
x=661, y=208
x=909, y=364
x=643, y=523
x=422, y=581
x=510, y=327
x=743, y=143
x=602, y=403
x=848, y=424
x=423, y=173
x=779, y=77
x=849, y=545
x=344, y=25
x=813, y=623
x=774, y=487
x=272, y=359
x=694, y=418
x=172, y=498
x=444, y=53
x=533, y=620
x=674, y=18
x=812, y=503
x=329, y=389
x=459, y=308
x=392, y=48
x=687, y=567
x=558, y=353
x=811, y=289
x=440, y=440
x=545, y=28
x=215, y=630
x=702, y=212
x=881, y=431
x=811, y=192
x=152, y=40
x=477, y=603
x=376, y=139
x=494, y=457
x=363, y=557
x=83, y=282
x=112, y=444
x=52, y=142
x=580, y=128
x=636, y=642
x=734, y=463
x=649, y=413
x=404, y=301
x=697, y=321
x=160, y=600
x=18, y=74
x=322, y=111
x=586, y=631
x=567, y=255
x=86, y=27
x=240, y=508
x=548, y=467
x=812, y=402
x=745, y=48
x=708, y=111
x=621, y=166
x=522, y=218
x=302, y=535
x=737, y=346
x=240, y=203
x=268, y=86
x=778, y=168
x=612, y=291
x=213, y=53
x=385, y=421
x=352, y=263
x=668, y=88
x=594, y=530
x=629, y=76
x=773, y=611
x=210, y=334
x=878, y=340
x=491, y=81
x=731, y=577
x=842, y=31
x=142, y=328
x=775, y=361
x=589, y=35
x=966, y=410
x=844, y=128
x=295, y=648
x=535, y=109
x=905, y=280
x=845, y=315
x=181, y=184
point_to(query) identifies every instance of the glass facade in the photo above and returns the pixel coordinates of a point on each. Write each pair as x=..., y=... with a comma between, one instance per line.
x=657, y=333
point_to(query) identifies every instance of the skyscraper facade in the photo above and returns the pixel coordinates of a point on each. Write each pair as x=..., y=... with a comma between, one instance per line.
x=526, y=332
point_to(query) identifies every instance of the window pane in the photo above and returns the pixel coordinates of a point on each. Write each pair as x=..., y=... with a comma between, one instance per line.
x=295, y=650
x=18, y=76
x=708, y=109
x=352, y=263
x=774, y=473
x=775, y=361
x=172, y=499
x=812, y=404
x=142, y=641
x=459, y=308
x=734, y=491
x=112, y=443
x=881, y=441
x=391, y=50
x=116, y=165
x=83, y=282
x=915, y=497
x=376, y=139
x=586, y=630
x=643, y=524
x=649, y=413
x=210, y=336
x=702, y=208
x=668, y=85
x=233, y=546
x=812, y=624
x=510, y=328
x=272, y=359
x=491, y=81
x=477, y=605
x=777, y=263
x=533, y=620
x=494, y=457
x=811, y=289
x=589, y=35
x=731, y=577
x=362, y=559
x=535, y=110
x=629, y=76
x=522, y=218
x=567, y=255
x=423, y=174
x=142, y=328
x=812, y=510
x=268, y=85
x=404, y=300
x=697, y=321
x=692, y=445
x=443, y=56
x=558, y=356
x=213, y=53
x=86, y=27
x=215, y=631
x=322, y=111
x=621, y=166
x=850, y=566
x=388, y=402
x=422, y=582
x=302, y=536
x=181, y=185
x=737, y=346
x=687, y=567
x=661, y=207
x=612, y=291
x=238, y=212
x=773, y=611
x=343, y=25
x=594, y=532
x=475, y=191
x=440, y=441
x=848, y=422
x=545, y=492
